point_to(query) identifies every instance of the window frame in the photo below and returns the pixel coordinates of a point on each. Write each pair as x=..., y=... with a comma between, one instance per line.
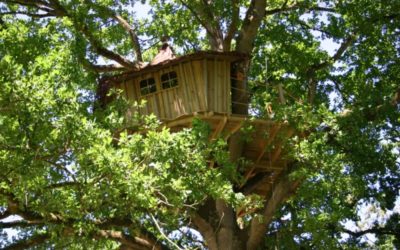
x=170, y=82
x=150, y=84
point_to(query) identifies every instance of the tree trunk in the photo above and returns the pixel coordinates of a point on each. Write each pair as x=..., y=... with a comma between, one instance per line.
x=216, y=221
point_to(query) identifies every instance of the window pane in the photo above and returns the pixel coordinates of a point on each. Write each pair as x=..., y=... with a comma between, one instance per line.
x=169, y=80
x=144, y=91
x=173, y=83
x=165, y=85
x=147, y=86
x=172, y=75
x=143, y=83
x=152, y=88
x=164, y=77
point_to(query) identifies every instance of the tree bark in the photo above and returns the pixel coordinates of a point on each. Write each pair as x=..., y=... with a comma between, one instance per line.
x=251, y=24
x=282, y=190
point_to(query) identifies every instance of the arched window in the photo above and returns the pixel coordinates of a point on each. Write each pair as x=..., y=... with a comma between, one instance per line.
x=147, y=86
x=169, y=80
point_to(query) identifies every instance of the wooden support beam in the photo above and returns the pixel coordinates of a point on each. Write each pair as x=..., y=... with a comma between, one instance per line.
x=248, y=175
x=276, y=154
x=219, y=128
x=267, y=167
x=233, y=131
x=271, y=137
x=179, y=122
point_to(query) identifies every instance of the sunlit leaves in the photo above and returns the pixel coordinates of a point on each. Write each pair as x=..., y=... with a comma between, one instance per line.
x=78, y=165
x=70, y=162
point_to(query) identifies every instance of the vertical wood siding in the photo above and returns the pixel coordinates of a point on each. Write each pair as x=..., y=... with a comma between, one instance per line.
x=203, y=85
x=218, y=85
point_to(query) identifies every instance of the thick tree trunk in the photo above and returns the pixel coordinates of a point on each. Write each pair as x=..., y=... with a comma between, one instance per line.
x=282, y=190
x=216, y=41
x=251, y=24
x=228, y=232
x=216, y=221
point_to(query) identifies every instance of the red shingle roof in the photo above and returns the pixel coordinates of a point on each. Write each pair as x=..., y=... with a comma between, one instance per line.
x=165, y=54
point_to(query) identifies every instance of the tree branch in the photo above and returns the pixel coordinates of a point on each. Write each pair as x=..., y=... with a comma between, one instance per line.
x=233, y=26
x=101, y=68
x=124, y=24
x=254, y=15
x=60, y=167
x=56, y=8
x=282, y=190
x=283, y=8
x=197, y=16
x=98, y=48
x=62, y=184
x=144, y=239
x=206, y=230
x=19, y=223
x=42, y=5
x=132, y=35
x=306, y=26
x=5, y=214
x=126, y=222
x=375, y=230
x=133, y=242
x=312, y=83
x=162, y=233
x=207, y=20
x=296, y=6
x=227, y=225
x=29, y=242
x=36, y=15
x=396, y=97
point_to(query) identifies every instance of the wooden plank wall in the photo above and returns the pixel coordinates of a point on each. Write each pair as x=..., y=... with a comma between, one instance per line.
x=203, y=85
x=197, y=81
x=218, y=79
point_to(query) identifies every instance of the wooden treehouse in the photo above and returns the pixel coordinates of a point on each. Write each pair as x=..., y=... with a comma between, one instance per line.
x=207, y=85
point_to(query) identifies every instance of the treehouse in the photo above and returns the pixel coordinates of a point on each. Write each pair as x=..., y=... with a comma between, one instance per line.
x=209, y=86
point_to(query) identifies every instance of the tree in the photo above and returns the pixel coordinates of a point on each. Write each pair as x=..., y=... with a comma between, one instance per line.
x=75, y=178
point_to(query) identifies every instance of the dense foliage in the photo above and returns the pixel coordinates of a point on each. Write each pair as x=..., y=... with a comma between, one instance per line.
x=73, y=176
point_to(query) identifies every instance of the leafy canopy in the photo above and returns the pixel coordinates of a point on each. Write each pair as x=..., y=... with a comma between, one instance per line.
x=76, y=177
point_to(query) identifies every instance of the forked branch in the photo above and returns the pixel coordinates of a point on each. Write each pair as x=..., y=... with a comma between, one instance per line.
x=282, y=190
x=202, y=13
x=252, y=21
x=233, y=25
x=296, y=6
x=312, y=82
x=53, y=8
x=123, y=23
